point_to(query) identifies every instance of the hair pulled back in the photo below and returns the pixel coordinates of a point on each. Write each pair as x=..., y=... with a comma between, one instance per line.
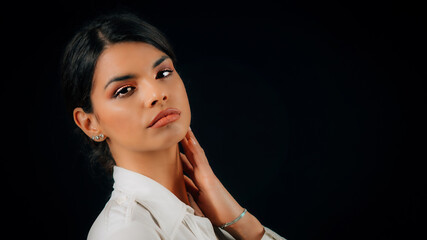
x=80, y=58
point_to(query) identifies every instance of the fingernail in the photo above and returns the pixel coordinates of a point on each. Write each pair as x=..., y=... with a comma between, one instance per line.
x=189, y=128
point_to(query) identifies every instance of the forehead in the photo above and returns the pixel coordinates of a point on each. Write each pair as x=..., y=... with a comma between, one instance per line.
x=124, y=58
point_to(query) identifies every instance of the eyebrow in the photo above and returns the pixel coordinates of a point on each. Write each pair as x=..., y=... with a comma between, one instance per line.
x=160, y=60
x=129, y=76
x=117, y=79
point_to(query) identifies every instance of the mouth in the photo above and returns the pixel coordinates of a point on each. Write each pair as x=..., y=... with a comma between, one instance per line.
x=165, y=117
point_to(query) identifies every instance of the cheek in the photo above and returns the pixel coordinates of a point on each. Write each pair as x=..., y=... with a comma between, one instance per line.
x=181, y=97
x=119, y=120
x=122, y=123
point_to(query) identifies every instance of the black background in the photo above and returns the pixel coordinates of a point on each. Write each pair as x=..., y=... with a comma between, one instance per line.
x=311, y=114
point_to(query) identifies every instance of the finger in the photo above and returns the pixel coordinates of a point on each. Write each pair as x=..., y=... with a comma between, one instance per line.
x=191, y=146
x=187, y=167
x=190, y=136
x=193, y=151
x=186, y=146
x=193, y=204
x=189, y=151
x=187, y=141
x=193, y=143
x=184, y=143
x=191, y=187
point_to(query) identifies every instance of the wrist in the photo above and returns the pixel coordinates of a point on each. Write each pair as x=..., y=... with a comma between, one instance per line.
x=226, y=208
x=235, y=220
x=248, y=227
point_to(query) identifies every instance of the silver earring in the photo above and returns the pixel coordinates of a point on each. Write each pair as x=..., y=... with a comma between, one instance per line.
x=98, y=137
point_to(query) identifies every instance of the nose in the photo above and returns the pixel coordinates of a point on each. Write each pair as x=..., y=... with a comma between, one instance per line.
x=153, y=93
x=156, y=99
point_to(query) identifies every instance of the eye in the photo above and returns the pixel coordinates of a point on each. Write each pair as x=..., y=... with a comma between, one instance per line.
x=123, y=91
x=163, y=73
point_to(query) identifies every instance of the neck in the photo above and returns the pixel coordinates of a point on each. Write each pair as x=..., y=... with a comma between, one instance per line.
x=163, y=166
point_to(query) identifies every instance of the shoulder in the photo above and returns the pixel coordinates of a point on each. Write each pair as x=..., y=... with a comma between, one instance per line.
x=123, y=218
x=134, y=231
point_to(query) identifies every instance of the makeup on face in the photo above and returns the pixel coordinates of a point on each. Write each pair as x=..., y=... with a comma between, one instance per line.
x=165, y=117
x=140, y=98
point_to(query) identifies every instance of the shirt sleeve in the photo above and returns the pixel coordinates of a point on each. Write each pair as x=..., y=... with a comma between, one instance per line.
x=270, y=235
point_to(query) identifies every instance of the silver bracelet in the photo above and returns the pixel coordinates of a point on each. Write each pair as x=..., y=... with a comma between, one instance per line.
x=235, y=220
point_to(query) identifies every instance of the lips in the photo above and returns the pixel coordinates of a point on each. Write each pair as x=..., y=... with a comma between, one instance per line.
x=163, y=116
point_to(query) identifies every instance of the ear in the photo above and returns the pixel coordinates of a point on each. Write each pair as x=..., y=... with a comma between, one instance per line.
x=87, y=122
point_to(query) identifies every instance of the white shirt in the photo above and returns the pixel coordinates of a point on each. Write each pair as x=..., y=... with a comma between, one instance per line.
x=141, y=208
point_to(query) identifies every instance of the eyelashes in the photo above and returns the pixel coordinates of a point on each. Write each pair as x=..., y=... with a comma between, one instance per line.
x=123, y=91
x=163, y=73
x=127, y=90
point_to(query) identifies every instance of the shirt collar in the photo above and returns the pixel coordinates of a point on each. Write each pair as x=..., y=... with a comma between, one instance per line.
x=165, y=207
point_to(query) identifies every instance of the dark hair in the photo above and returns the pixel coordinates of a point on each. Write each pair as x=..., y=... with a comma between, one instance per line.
x=80, y=57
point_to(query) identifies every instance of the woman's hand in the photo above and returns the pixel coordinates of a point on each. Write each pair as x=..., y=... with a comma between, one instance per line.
x=214, y=200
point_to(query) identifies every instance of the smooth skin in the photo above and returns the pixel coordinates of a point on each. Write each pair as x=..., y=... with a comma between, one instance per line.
x=132, y=83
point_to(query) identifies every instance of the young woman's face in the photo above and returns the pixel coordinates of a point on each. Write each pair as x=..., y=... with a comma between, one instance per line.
x=132, y=83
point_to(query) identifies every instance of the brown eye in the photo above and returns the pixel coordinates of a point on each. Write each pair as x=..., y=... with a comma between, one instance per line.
x=123, y=91
x=163, y=73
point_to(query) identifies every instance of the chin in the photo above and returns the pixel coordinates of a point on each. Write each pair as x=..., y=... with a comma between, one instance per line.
x=182, y=130
x=176, y=134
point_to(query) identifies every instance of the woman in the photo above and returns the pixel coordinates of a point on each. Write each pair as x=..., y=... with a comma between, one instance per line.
x=125, y=95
